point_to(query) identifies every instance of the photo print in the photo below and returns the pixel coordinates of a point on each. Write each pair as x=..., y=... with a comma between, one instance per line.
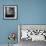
x=10, y=12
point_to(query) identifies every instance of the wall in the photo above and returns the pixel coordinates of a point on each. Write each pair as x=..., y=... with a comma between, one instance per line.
x=33, y=12
x=29, y=12
x=7, y=26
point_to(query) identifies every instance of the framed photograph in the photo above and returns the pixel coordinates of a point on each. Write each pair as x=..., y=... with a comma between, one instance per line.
x=10, y=12
x=33, y=32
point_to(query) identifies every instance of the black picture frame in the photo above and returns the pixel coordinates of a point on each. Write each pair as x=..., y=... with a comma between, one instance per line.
x=10, y=12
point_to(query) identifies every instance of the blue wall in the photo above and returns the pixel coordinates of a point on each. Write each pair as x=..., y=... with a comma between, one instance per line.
x=33, y=11
x=29, y=12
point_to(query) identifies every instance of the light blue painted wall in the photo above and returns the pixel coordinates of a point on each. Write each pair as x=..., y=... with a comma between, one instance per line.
x=33, y=12
x=29, y=12
x=7, y=26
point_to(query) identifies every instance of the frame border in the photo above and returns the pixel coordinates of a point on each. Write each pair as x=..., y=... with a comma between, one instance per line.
x=16, y=13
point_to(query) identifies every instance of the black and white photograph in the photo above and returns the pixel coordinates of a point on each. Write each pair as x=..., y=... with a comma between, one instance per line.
x=33, y=32
x=29, y=35
x=10, y=12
